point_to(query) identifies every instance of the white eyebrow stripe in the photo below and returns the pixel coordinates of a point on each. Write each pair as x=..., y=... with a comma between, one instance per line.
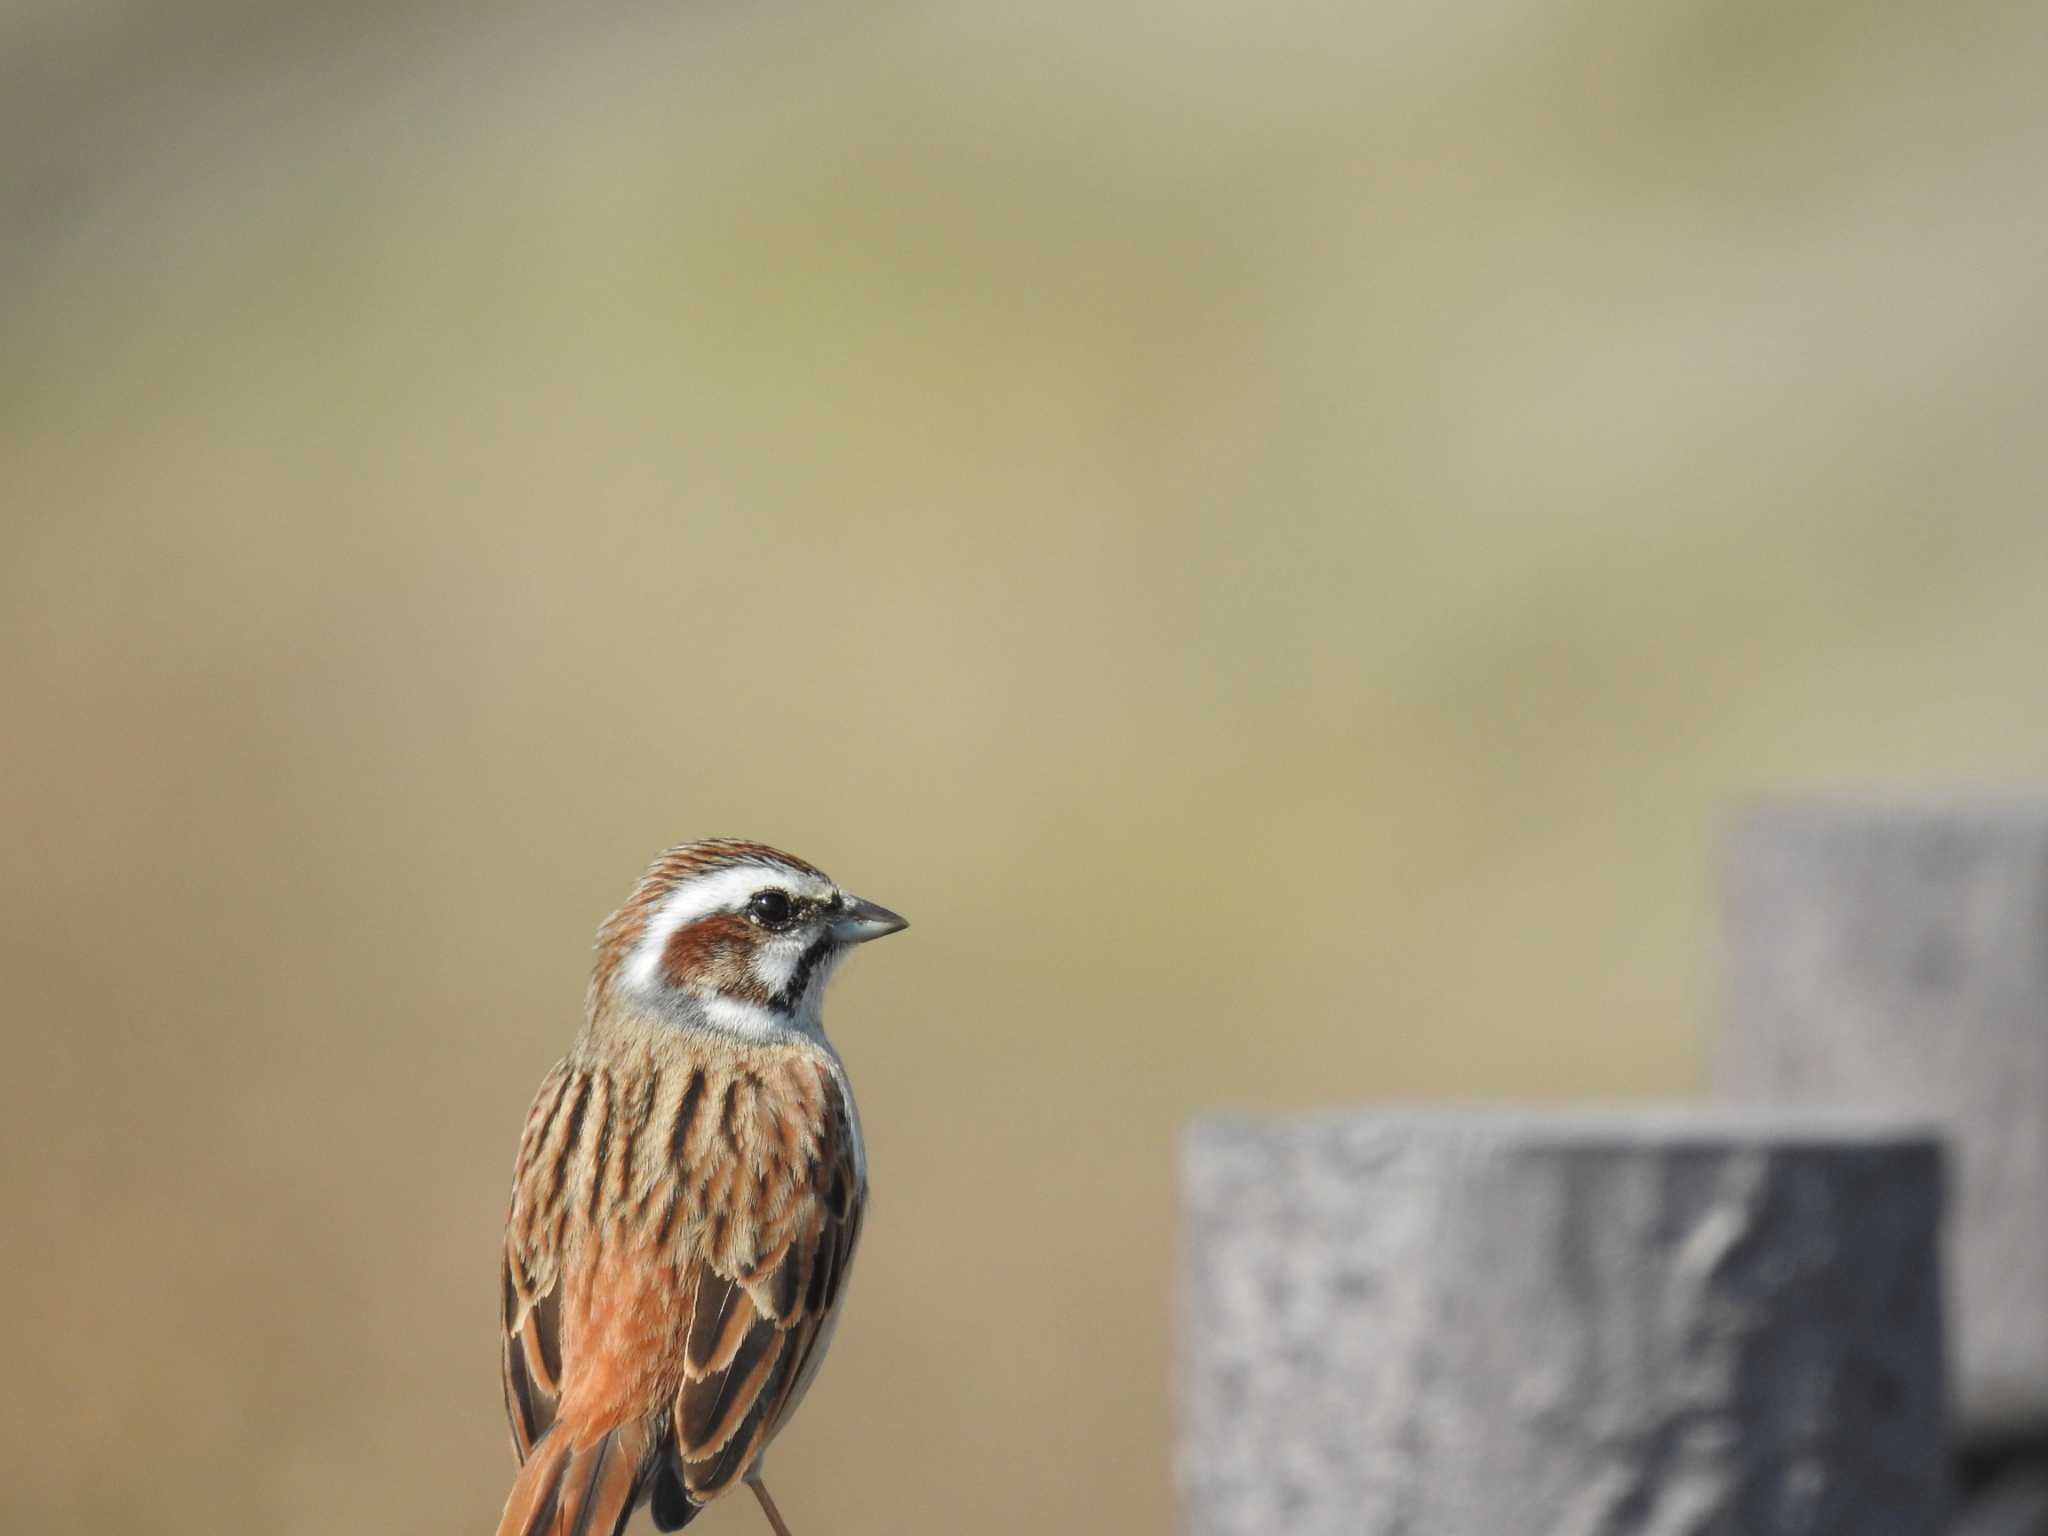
x=720, y=890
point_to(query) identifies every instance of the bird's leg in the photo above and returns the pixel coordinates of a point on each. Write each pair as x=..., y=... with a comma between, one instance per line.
x=768, y=1507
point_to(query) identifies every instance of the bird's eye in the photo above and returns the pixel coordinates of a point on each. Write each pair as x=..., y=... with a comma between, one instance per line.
x=771, y=909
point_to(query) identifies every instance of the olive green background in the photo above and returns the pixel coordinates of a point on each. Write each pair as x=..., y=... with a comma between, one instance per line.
x=1272, y=534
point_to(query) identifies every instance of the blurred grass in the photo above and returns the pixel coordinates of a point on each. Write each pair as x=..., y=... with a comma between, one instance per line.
x=1270, y=538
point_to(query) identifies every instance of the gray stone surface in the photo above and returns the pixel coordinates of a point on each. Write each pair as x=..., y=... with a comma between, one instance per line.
x=1504, y=1323
x=1897, y=956
x=2014, y=1505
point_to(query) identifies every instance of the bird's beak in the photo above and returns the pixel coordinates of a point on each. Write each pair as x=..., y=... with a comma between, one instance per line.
x=858, y=921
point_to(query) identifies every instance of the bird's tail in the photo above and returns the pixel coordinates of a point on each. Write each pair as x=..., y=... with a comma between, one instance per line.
x=570, y=1490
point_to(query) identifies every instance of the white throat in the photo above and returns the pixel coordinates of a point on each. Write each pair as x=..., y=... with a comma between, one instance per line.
x=756, y=1021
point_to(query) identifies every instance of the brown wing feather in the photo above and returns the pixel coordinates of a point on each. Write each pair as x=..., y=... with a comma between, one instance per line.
x=754, y=1334
x=530, y=1310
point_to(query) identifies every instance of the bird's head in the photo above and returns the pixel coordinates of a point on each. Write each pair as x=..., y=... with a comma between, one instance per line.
x=735, y=935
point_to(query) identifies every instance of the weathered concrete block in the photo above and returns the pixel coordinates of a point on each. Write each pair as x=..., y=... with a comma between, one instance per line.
x=2015, y=1505
x=1502, y=1323
x=1896, y=956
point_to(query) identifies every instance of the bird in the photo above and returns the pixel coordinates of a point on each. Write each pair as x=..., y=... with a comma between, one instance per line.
x=687, y=1197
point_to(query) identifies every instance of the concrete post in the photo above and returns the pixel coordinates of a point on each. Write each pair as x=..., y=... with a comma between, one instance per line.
x=1897, y=956
x=1503, y=1323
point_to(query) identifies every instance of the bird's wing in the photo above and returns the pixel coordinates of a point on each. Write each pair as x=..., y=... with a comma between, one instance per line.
x=531, y=1308
x=759, y=1312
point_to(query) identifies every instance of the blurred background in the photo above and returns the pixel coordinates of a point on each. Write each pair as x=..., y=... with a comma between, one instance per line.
x=1271, y=536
